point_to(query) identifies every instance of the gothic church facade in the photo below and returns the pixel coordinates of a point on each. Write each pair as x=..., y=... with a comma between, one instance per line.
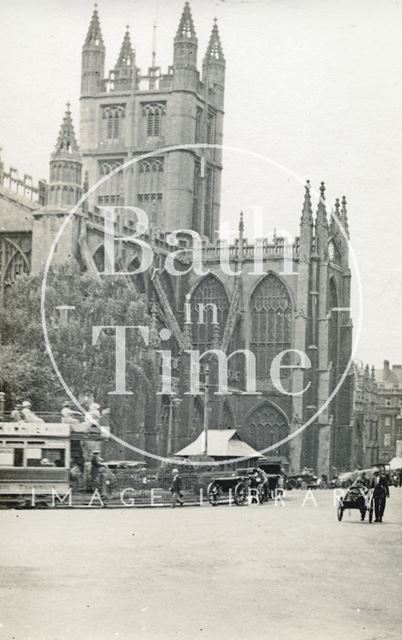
x=167, y=128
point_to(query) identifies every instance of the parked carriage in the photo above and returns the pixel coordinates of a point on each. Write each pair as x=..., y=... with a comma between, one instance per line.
x=239, y=486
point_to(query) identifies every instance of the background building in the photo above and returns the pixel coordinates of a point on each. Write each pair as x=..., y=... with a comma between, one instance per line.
x=288, y=293
x=389, y=381
x=365, y=419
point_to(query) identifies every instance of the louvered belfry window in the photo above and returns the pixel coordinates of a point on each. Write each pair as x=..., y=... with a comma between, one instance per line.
x=113, y=114
x=153, y=113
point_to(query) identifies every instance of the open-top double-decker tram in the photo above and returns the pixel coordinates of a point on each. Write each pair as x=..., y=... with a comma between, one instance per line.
x=36, y=459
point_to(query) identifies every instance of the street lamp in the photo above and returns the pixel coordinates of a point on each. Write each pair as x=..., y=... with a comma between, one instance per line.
x=206, y=410
x=173, y=402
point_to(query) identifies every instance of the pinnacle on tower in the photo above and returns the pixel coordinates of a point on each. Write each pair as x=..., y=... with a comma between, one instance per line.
x=66, y=144
x=321, y=226
x=65, y=167
x=241, y=223
x=185, y=74
x=344, y=217
x=321, y=209
x=93, y=58
x=337, y=207
x=335, y=217
x=126, y=55
x=186, y=28
x=307, y=212
x=94, y=35
x=214, y=52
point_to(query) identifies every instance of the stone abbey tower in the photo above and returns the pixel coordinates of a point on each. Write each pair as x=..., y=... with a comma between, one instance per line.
x=282, y=295
x=129, y=114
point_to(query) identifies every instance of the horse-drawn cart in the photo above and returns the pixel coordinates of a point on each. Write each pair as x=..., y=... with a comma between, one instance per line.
x=357, y=497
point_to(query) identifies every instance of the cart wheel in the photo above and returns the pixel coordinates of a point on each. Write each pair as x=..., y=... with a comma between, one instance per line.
x=261, y=493
x=304, y=485
x=340, y=512
x=240, y=494
x=213, y=493
x=323, y=484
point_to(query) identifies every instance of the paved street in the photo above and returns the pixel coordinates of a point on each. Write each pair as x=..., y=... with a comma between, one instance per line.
x=227, y=572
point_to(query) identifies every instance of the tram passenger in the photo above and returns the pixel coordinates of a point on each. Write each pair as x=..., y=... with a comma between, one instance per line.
x=45, y=462
x=27, y=414
x=67, y=415
x=16, y=413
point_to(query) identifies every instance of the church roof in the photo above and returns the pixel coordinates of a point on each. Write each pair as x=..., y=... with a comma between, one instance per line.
x=222, y=443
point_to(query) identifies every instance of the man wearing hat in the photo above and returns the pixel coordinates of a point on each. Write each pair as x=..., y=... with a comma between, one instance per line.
x=27, y=414
x=381, y=493
x=176, y=488
x=16, y=413
x=96, y=470
x=67, y=415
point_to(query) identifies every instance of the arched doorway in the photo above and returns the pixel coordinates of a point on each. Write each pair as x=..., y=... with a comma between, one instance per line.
x=265, y=426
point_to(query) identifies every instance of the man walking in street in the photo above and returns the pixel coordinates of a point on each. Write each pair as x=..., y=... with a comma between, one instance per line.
x=176, y=488
x=381, y=493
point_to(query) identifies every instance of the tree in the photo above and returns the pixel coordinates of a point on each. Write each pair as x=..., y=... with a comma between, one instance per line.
x=26, y=370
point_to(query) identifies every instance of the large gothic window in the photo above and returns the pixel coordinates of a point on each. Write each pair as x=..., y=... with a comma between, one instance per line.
x=150, y=182
x=13, y=261
x=271, y=315
x=265, y=427
x=209, y=310
x=111, y=192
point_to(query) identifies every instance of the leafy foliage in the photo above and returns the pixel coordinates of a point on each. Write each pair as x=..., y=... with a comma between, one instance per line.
x=88, y=370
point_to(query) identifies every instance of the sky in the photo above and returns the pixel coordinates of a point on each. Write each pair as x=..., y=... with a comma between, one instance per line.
x=314, y=87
